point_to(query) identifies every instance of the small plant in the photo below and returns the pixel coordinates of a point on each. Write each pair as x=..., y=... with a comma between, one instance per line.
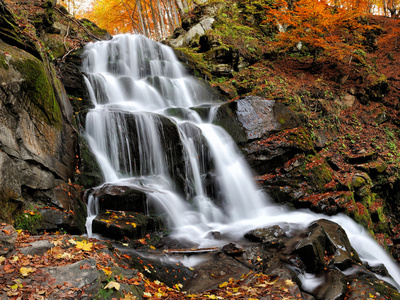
x=28, y=220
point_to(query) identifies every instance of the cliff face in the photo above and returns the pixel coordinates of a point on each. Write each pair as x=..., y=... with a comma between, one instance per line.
x=341, y=153
x=38, y=136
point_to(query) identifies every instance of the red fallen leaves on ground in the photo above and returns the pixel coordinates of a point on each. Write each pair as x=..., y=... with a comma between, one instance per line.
x=42, y=286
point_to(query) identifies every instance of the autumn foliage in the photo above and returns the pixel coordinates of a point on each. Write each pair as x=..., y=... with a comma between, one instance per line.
x=319, y=27
x=152, y=18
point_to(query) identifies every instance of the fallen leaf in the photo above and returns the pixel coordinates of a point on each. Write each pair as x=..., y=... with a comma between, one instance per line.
x=84, y=245
x=130, y=297
x=25, y=271
x=289, y=282
x=2, y=258
x=107, y=271
x=72, y=241
x=85, y=267
x=147, y=295
x=57, y=242
x=113, y=285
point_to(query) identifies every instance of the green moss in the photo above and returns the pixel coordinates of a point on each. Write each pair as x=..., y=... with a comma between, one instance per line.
x=3, y=63
x=39, y=90
x=29, y=221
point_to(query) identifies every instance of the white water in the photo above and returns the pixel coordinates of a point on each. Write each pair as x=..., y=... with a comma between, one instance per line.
x=133, y=82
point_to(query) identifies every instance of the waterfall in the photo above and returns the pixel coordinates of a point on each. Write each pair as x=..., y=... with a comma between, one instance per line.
x=143, y=99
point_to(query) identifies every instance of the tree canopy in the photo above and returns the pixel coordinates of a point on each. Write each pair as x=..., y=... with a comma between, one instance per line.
x=319, y=26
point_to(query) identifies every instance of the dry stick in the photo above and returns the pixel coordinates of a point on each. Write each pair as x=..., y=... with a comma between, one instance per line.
x=65, y=37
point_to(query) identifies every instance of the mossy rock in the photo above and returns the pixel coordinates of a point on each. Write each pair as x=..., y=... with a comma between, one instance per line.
x=39, y=90
x=90, y=173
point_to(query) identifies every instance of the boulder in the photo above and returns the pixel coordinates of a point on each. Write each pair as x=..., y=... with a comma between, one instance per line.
x=326, y=243
x=253, y=118
x=119, y=197
x=270, y=237
x=120, y=225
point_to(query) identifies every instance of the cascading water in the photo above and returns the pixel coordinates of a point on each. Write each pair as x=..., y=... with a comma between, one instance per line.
x=136, y=85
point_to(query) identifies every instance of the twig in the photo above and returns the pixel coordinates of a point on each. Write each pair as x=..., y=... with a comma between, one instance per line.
x=65, y=37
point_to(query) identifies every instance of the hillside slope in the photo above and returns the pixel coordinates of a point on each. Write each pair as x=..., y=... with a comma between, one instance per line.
x=344, y=155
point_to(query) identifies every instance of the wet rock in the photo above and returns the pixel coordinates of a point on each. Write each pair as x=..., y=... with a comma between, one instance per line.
x=333, y=286
x=122, y=198
x=126, y=224
x=232, y=250
x=216, y=270
x=270, y=237
x=326, y=240
x=170, y=273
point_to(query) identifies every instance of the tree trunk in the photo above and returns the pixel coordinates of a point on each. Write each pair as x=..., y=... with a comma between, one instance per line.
x=161, y=16
x=155, y=21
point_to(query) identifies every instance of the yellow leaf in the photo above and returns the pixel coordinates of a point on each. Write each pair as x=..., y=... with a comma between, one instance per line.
x=14, y=258
x=65, y=255
x=57, y=242
x=157, y=282
x=25, y=271
x=152, y=247
x=19, y=231
x=16, y=286
x=224, y=284
x=178, y=286
x=113, y=285
x=2, y=258
x=130, y=297
x=133, y=224
x=84, y=245
x=72, y=241
x=107, y=271
x=289, y=282
x=147, y=295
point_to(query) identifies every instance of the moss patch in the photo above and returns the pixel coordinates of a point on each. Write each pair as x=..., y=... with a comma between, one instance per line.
x=39, y=91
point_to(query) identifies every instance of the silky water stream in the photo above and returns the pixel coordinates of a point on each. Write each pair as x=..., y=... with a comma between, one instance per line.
x=136, y=86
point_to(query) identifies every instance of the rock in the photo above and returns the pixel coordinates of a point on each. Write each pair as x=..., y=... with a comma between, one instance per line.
x=196, y=31
x=362, y=158
x=119, y=197
x=59, y=28
x=333, y=287
x=37, y=138
x=80, y=274
x=37, y=248
x=216, y=270
x=268, y=236
x=252, y=118
x=8, y=237
x=232, y=250
x=326, y=238
x=152, y=267
x=127, y=224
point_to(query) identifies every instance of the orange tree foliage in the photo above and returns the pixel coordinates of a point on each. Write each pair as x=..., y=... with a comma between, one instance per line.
x=110, y=15
x=319, y=27
x=152, y=18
